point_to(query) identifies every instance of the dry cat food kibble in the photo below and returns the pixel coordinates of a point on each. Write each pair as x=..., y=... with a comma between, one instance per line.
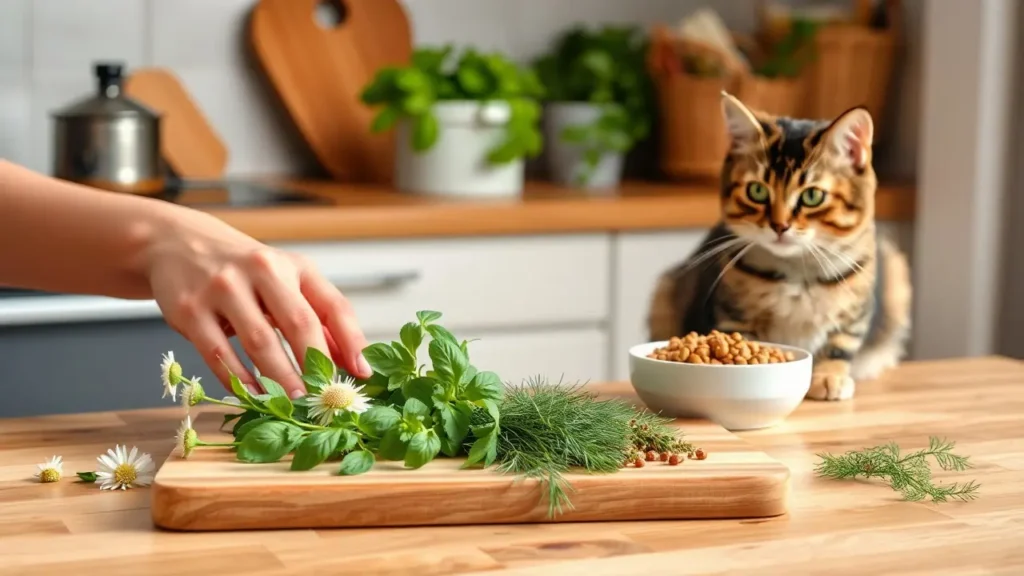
x=719, y=348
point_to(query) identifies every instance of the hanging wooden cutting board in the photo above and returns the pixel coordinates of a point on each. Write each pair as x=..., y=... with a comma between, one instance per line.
x=211, y=490
x=188, y=143
x=319, y=73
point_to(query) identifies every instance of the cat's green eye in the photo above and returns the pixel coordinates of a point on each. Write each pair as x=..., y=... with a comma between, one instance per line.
x=812, y=197
x=757, y=192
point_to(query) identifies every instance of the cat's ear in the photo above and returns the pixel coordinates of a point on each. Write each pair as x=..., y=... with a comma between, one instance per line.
x=745, y=131
x=850, y=136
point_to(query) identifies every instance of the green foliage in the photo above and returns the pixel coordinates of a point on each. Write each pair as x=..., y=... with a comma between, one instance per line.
x=794, y=51
x=437, y=75
x=909, y=474
x=606, y=67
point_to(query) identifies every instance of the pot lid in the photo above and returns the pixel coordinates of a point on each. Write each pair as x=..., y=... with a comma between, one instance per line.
x=109, y=100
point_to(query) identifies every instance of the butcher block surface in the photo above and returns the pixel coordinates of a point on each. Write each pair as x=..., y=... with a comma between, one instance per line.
x=213, y=491
x=834, y=528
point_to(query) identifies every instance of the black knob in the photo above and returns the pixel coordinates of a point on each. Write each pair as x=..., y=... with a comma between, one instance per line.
x=109, y=75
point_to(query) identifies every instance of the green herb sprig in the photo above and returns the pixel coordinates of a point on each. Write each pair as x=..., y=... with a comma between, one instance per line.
x=909, y=474
x=549, y=429
x=436, y=75
x=606, y=66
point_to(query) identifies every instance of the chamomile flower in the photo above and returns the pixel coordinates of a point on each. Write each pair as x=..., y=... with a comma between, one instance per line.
x=185, y=440
x=170, y=375
x=191, y=393
x=51, y=470
x=122, y=469
x=337, y=397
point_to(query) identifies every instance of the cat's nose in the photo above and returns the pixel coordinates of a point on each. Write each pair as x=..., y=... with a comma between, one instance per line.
x=779, y=227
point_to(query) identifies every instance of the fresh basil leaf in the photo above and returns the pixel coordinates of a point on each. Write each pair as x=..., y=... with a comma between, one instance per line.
x=379, y=419
x=374, y=385
x=385, y=119
x=408, y=358
x=281, y=407
x=411, y=335
x=492, y=409
x=241, y=431
x=273, y=388
x=449, y=362
x=396, y=398
x=413, y=408
x=269, y=442
x=240, y=390
x=348, y=440
x=392, y=447
x=316, y=448
x=423, y=447
x=469, y=374
x=397, y=381
x=425, y=130
x=438, y=332
x=421, y=389
x=383, y=358
x=484, y=450
x=356, y=463
x=456, y=425
x=317, y=363
x=87, y=476
x=246, y=416
x=427, y=316
x=261, y=399
x=485, y=386
x=482, y=430
x=315, y=383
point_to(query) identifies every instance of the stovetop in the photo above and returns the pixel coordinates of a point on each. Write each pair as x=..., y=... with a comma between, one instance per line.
x=231, y=194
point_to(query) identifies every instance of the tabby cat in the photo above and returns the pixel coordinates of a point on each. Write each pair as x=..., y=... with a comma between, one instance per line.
x=796, y=258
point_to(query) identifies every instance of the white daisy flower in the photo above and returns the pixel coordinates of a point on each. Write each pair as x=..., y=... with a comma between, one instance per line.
x=121, y=469
x=51, y=470
x=185, y=440
x=337, y=397
x=191, y=393
x=170, y=375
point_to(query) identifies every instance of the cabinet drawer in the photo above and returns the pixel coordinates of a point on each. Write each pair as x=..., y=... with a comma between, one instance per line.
x=569, y=355
x=484, y=282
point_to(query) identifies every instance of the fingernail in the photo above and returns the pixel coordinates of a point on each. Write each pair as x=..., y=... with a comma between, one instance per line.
x=296, y=394
x=364, y=366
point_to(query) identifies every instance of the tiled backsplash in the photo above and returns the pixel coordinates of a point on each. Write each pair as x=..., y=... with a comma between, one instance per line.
x=47, y=48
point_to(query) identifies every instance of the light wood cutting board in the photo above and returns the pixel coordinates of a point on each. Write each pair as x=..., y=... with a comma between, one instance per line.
x=213, y=491
x=188, y=143
x=320, y=72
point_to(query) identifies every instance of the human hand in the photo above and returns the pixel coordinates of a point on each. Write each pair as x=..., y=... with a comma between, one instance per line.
x=211, y=282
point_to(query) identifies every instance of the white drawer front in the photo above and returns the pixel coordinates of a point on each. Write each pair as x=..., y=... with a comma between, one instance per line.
x=567, y=354
x=481, y=282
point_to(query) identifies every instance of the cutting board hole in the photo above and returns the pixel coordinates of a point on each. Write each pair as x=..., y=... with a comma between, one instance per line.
x=330, y=14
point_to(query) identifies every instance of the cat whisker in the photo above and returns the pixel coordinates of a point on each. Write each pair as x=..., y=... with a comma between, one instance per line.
x=844, y=258
x=835, y=274
x=705, y=255
x=728, y=266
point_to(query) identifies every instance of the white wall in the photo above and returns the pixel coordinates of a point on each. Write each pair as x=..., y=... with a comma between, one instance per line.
x=47, y=47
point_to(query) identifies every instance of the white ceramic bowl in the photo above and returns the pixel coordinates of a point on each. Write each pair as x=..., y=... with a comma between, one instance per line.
x=736, y=397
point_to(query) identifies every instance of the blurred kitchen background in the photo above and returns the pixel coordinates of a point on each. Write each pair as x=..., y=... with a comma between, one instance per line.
x=557, y=301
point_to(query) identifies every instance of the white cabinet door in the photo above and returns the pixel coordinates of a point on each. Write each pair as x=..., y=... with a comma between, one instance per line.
x=480, y=283
x=640, y=259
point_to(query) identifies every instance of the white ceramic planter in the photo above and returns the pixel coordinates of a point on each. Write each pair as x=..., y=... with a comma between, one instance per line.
x=565, y=160
x=457, y=163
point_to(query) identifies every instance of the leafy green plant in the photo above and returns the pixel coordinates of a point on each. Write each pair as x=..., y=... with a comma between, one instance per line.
x=606, y=67
x=437, y=75
x=908, y=474
x=411, y=413
x=790, y=54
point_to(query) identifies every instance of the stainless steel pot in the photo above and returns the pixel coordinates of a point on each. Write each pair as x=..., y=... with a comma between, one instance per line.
x=108, y=140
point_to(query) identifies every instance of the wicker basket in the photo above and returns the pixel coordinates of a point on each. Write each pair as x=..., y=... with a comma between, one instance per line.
x=693, y=137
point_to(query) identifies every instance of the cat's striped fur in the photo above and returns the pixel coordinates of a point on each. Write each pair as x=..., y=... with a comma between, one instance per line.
x=796, y=258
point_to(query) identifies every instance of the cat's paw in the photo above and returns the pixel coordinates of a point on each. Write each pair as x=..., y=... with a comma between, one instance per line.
x=831, y=386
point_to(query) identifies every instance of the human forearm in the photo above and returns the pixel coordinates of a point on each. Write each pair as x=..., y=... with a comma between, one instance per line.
x=62, y=237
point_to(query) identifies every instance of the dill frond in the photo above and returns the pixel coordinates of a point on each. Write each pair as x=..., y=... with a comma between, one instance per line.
x=908, y=474
x=549, y=429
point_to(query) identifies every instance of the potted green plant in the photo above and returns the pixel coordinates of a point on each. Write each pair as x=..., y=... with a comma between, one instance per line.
x=464, y=125
x=599, y=103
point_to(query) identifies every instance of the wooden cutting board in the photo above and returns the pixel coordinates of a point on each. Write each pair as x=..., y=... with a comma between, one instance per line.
x=213, y=491
x=320, y=72
x=188, y=143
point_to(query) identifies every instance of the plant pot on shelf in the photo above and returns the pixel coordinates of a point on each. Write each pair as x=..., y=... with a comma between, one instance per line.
x=567, y=160
x=457, y=164
x=694, y=138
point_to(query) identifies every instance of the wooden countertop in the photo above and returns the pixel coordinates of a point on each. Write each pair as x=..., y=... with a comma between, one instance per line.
x=367, y=212
x=75, y=528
